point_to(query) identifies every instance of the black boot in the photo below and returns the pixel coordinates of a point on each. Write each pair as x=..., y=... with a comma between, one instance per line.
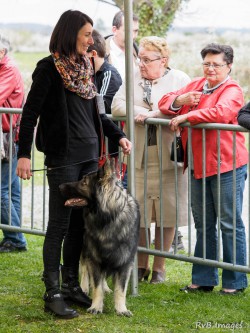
x=53, y=298
x=71, y=289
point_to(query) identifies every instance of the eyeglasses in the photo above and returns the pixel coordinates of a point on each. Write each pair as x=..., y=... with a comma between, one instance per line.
x=214, y=66
x=146, y=61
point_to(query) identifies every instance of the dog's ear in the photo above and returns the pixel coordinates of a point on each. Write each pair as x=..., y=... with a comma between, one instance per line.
x=105, y=172
x=101, y=171
x=109, y=168
x=112, y=164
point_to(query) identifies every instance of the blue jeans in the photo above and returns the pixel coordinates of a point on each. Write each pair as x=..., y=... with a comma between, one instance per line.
x=17, y=238
x=203, y=275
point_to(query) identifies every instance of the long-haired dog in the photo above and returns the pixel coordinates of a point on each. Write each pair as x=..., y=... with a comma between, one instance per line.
x=112, y=218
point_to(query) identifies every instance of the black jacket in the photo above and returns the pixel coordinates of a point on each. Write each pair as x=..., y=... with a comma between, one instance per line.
x=108, y=81
x=47, y=101
x=244, y=116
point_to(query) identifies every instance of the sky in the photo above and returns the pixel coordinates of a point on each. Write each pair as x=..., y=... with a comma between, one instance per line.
x=214, y=13
x=209, y=13
x=48, y=11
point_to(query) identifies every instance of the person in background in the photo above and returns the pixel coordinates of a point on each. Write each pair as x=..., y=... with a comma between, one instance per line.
x=214, y=98
x=11, y=96
x=244, y=116
x=115, y=43
x=70, y=133
x=107, y=79
x=115, y=50
x=153, y=78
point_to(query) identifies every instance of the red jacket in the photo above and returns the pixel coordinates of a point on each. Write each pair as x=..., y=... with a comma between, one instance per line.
x=11, y=90
x=221, y=106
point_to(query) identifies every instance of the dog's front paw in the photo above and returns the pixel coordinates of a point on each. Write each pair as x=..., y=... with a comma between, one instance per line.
x=94, y=310
x=121, y=310
x=125, y=313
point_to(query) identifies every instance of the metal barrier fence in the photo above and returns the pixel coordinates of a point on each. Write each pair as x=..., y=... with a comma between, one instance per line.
x=190, y=231
x=34, y=199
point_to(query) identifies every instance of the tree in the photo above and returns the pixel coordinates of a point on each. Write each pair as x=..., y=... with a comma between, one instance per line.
x=155, y=16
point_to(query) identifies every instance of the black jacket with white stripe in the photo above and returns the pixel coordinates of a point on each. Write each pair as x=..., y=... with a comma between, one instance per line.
x=107, y=81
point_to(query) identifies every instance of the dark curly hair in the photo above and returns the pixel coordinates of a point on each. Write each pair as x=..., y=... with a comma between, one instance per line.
x=226, y=50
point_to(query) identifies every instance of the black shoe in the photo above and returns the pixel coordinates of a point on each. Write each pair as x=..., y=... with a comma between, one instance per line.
x=53, y=298
x=76, y=295
x=8, y=246
x=235, y=292
x=143, y=274
x=158, y=277
x=55, y=304
x=206, y=289
x=71, y=289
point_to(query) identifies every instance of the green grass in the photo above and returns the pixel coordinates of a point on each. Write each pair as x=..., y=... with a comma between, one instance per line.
x=27, y=60
x=157, y=308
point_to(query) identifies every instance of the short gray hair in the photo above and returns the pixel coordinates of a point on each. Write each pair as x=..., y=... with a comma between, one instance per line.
x=4, y=44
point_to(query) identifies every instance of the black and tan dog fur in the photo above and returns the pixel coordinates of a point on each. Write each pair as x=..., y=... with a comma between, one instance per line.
x=111, y=216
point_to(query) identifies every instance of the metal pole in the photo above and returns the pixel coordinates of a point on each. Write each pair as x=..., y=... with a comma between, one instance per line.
x=129, y=72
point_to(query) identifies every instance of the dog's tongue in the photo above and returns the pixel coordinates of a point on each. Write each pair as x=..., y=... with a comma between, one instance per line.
x=76, y=202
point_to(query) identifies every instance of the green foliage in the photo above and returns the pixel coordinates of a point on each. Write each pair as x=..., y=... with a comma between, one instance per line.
x=157, y=308
x=155, y=16
x=119, y=3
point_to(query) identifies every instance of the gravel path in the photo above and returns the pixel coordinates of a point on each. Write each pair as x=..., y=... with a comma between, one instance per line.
x=32, y=207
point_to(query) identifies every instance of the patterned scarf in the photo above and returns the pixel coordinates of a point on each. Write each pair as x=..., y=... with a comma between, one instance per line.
x=77, y=77
x=147, y=88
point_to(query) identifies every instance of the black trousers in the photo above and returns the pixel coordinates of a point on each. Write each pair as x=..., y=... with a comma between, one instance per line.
x=64, y=235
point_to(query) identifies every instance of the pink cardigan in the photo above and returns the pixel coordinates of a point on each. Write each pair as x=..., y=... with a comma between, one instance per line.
x=221, y=106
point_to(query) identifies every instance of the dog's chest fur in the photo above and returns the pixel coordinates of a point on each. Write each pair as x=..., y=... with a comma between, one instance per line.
x=109, y=225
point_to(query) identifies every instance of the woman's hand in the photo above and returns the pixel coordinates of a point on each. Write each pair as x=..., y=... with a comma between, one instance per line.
x=141, y=117
x=23, y=168
x=126, y=146
x=191, y=98
x=174, y=123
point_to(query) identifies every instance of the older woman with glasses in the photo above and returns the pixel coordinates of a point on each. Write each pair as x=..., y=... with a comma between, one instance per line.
x=154, y=78
x=214, y=98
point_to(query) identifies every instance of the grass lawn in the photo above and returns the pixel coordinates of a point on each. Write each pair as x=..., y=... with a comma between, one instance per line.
x=157, y=308
x=27, y=60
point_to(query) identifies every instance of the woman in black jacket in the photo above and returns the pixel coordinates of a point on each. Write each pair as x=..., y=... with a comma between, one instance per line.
x=70, y=133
